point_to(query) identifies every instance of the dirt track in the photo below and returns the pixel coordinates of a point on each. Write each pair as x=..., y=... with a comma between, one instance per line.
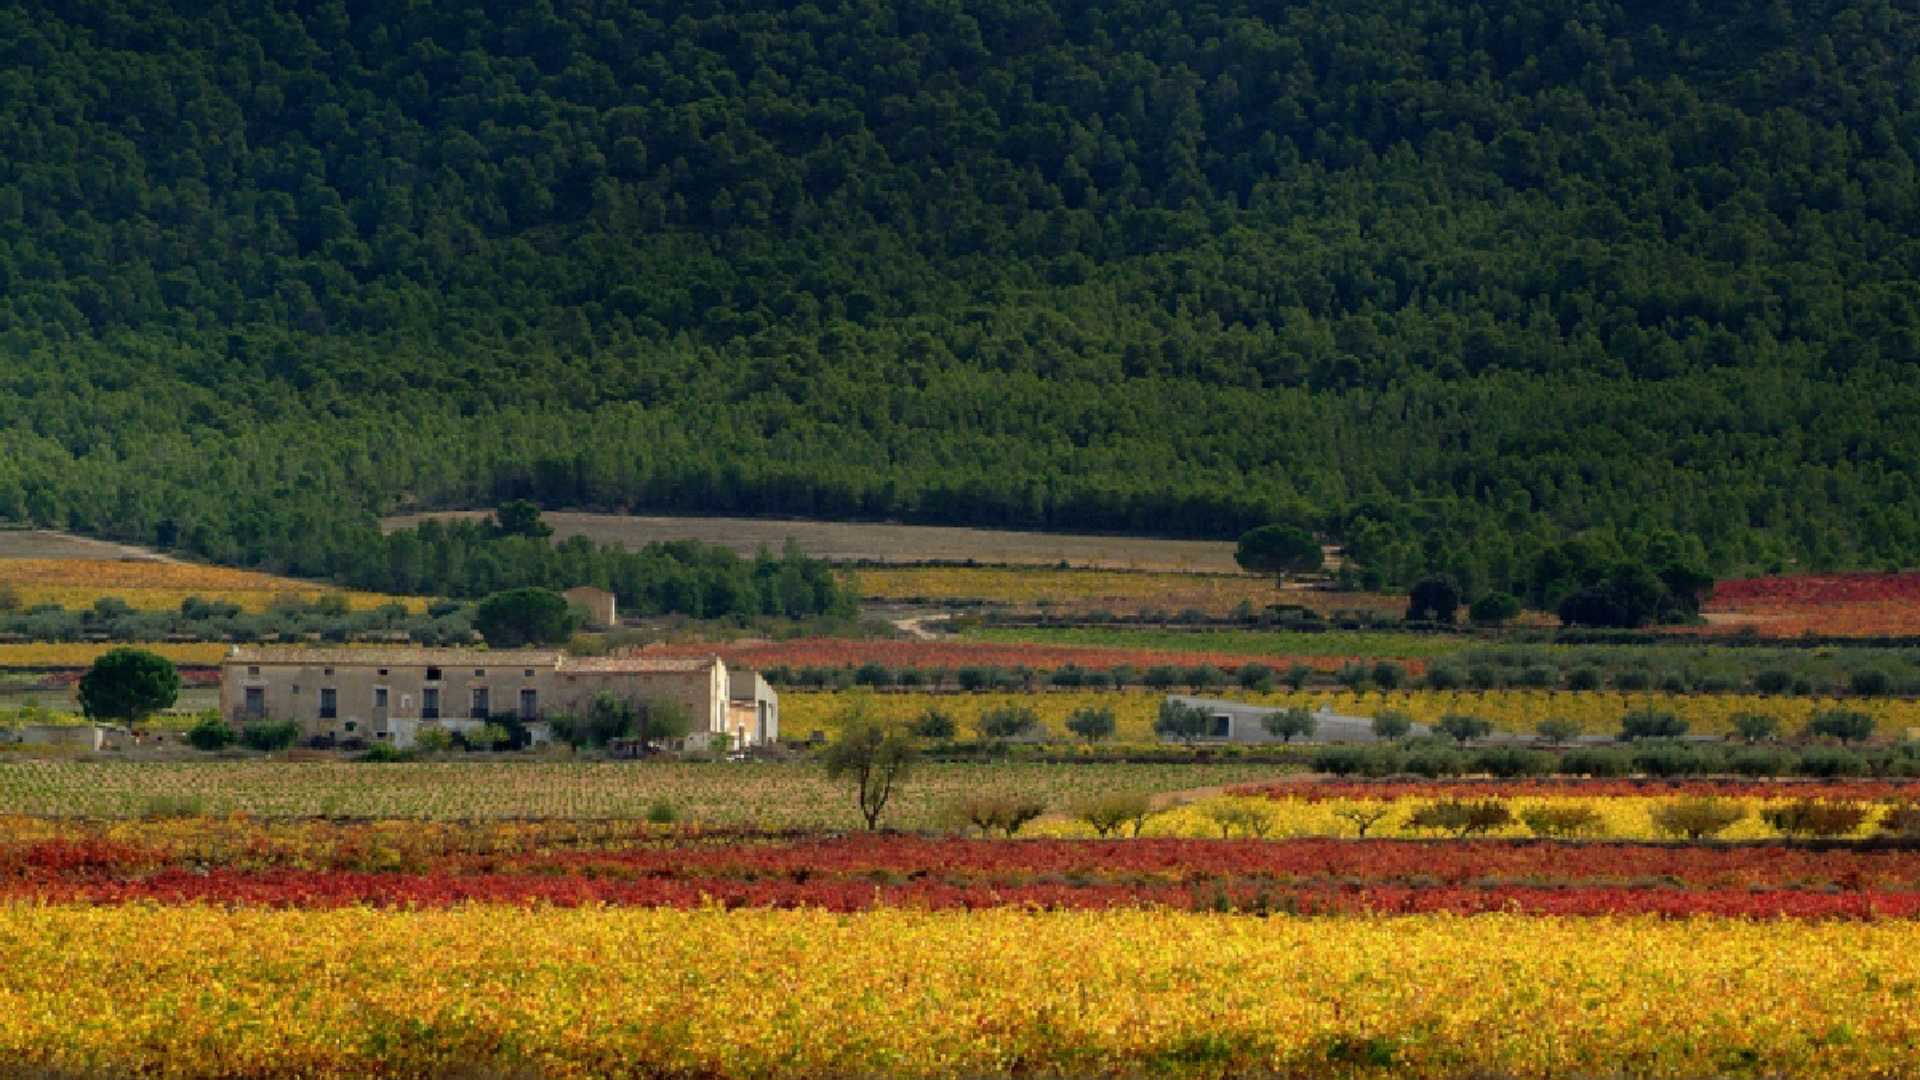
x=869, y=542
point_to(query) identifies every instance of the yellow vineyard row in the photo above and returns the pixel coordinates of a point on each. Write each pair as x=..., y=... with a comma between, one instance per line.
x=159, y=586
x=1595, y=712
x=480, y=990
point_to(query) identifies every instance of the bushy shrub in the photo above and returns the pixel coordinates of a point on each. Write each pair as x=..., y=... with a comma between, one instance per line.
x=1511, y=761
x=1697, y=818
x=1584, y=678
x=1562, y=822
x=1829, y=763
x=1847, y=725
x=1258, y=677
x=1115, y=812
x=1435, y=762
x=433, y=740
x=933, y=723
x=1391, y=724
x=1755, y=727
x=1674, y=759
x=1538, y=676
x=1807, y=818
x=1007, y=722
x=210, y=733
x=1595, y=762
x=1288, y=723
x=1557, y=729
x=1870, y=682
x=991, y=811
x=269, y=735
x=1204, y=677
x=1461, y=817
x=1357, y=760
x=1651, y=724
x=1773, y=681
x=1091, y=723
x=1632, y=679
x=1246, y=818
x=1298, y=675
x=1388, y=675
x=1493, y=609
x=1461, y=727
x=1759, y=761
x=385, y=753
x=1444, y=677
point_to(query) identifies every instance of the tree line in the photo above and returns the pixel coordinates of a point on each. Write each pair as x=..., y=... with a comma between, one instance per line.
x=1452, y=284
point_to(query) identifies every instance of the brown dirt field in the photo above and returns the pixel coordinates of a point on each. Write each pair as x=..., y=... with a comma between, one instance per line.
x=869, y=542
x=47, y=544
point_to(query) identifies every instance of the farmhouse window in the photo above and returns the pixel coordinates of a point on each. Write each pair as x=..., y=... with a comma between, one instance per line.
x=430, y=703
x=352, y=726
x=379, y=697
x=433, y=674
x=383, y=672
x=529, y=704
x=480, y=703
x=479, y=671
x=528, y=673
x=1222, y=725
x=256, y=701
x=326, y=671
x=329, y=703
x=253, y=671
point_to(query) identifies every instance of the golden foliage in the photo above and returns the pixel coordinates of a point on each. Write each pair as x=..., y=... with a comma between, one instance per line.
x=199, y=991
x=153, y=585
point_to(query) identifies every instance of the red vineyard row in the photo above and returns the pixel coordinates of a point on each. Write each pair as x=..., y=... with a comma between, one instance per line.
x=57, y=867
x=300, y=889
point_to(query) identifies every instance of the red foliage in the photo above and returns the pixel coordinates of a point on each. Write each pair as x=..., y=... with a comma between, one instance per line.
x=865, y=871
x=1850, y=604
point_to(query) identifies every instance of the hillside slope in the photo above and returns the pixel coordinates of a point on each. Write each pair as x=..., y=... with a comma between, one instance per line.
x=1451, y=282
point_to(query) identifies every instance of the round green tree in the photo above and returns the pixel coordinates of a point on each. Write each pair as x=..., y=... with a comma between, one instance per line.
x=128, y=685
x=525, y=617
x=1279, y=549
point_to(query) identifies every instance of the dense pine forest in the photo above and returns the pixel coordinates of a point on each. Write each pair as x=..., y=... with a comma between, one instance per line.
x=1453, y=283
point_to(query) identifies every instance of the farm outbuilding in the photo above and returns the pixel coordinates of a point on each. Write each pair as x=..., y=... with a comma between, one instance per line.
x=597, y=606
x=1240, y=722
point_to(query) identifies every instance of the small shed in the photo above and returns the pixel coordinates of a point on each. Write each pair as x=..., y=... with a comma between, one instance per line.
x=598, y=605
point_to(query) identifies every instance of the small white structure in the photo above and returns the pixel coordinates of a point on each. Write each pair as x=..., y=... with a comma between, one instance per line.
x=1239, y=722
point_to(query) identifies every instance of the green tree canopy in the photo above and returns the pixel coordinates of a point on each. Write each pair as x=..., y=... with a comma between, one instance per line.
x=521, y=617
x=1279, y=549
x=128, y=685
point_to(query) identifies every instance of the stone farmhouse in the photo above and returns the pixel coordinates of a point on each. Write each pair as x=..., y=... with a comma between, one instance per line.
x=390, y=694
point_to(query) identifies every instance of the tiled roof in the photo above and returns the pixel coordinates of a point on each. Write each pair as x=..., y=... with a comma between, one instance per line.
x=616, y=664
x=390, y=656
x=421, y=657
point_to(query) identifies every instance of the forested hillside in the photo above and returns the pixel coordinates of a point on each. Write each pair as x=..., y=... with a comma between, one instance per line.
x=1450, y=282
